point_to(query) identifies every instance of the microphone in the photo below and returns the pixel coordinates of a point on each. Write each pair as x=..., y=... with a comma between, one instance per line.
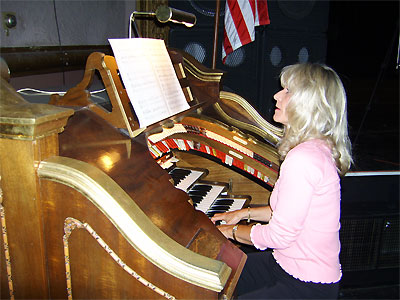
x=165, y=14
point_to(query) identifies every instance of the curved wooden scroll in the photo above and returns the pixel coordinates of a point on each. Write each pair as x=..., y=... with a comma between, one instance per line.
x=134, y=225
x=235, y=110
x=230, y=108
x=204, y=82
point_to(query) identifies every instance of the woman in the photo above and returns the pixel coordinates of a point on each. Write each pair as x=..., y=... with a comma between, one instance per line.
x=302, y=221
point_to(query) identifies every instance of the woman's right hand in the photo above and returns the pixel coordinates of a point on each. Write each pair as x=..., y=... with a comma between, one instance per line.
x=230, y=218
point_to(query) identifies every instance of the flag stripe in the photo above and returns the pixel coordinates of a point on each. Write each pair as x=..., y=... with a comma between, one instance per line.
x=245, y=28
x=252, y=4
x=227, y=47
x=262, y=10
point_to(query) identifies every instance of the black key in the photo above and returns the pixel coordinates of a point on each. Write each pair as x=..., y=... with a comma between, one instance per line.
x=215, y=211
x=178, y=175
x=196, y=199
x=201, y=187
x=220, y=207
x=197, y=193
x=181, y=171
x=224, y=201
x=210, y=215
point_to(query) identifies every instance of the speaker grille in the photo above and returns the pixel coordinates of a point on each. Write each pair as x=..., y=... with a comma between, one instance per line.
x=369, y=243
x=389, y=249
x=197, y=50
x=236, y=58
x=358, y=244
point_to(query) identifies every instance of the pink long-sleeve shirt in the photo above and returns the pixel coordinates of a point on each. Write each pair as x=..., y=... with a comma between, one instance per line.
x=304, y=228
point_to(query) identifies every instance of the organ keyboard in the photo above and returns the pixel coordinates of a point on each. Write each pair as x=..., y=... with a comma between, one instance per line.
x=207, y=197
x=204, y=195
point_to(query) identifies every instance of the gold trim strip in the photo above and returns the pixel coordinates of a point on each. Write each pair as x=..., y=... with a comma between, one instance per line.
x=69, y=225
x=6, y=249
x=203, y=76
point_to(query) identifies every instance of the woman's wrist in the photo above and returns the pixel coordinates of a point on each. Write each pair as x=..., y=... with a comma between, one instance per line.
x=248, y=215
x=234, y=230
x=244, y=214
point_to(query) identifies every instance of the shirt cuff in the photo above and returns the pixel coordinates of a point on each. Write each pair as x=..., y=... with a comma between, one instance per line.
x=255, y=234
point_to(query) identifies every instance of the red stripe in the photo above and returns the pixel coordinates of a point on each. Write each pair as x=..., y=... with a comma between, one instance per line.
x=239, y=22
x=171, y=143
x=227, y=47
x=235, y=162
x=240, y=164
x=203, y=148
x=220, y=155
x=186, y=145
x=227, y=44
x=263, y=15
x=162, y=147
x=253, y=6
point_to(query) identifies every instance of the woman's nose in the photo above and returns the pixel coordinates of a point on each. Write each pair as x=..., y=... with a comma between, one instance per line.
x=276, y=96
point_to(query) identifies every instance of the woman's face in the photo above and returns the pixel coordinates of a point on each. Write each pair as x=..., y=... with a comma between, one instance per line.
x=282, y=98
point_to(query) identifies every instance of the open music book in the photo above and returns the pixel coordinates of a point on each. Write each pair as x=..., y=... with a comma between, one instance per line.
x=149, y=78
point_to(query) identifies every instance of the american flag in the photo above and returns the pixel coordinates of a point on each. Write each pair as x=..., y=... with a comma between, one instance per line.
x=241, y=17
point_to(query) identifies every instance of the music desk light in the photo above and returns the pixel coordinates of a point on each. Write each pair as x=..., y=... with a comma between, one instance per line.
x=164, y=14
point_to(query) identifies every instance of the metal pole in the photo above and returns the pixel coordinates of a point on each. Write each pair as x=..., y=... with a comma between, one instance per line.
x=216, y=27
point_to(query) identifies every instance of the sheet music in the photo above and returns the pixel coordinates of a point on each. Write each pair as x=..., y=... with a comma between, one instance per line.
x=149, y=78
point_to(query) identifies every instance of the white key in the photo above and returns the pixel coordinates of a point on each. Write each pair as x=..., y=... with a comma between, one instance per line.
x=209, y=198
x=188, y=181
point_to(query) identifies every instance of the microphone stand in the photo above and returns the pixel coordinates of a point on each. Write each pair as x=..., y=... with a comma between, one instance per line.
x=216, y=27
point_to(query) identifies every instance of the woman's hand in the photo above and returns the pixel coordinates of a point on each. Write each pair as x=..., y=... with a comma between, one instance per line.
x=242, y=234
x=226, y=230
x=230, y=218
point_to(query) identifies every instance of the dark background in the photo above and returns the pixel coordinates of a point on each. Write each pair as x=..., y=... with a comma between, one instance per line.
x=363, y=39
x=359, y=39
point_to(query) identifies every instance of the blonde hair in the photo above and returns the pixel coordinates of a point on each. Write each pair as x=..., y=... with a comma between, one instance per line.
x=317, y=109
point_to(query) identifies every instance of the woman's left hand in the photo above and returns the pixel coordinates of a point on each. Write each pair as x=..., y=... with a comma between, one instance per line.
x=226, y=230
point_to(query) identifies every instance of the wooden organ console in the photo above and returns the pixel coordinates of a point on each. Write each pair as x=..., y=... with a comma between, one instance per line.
x=92, y=206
